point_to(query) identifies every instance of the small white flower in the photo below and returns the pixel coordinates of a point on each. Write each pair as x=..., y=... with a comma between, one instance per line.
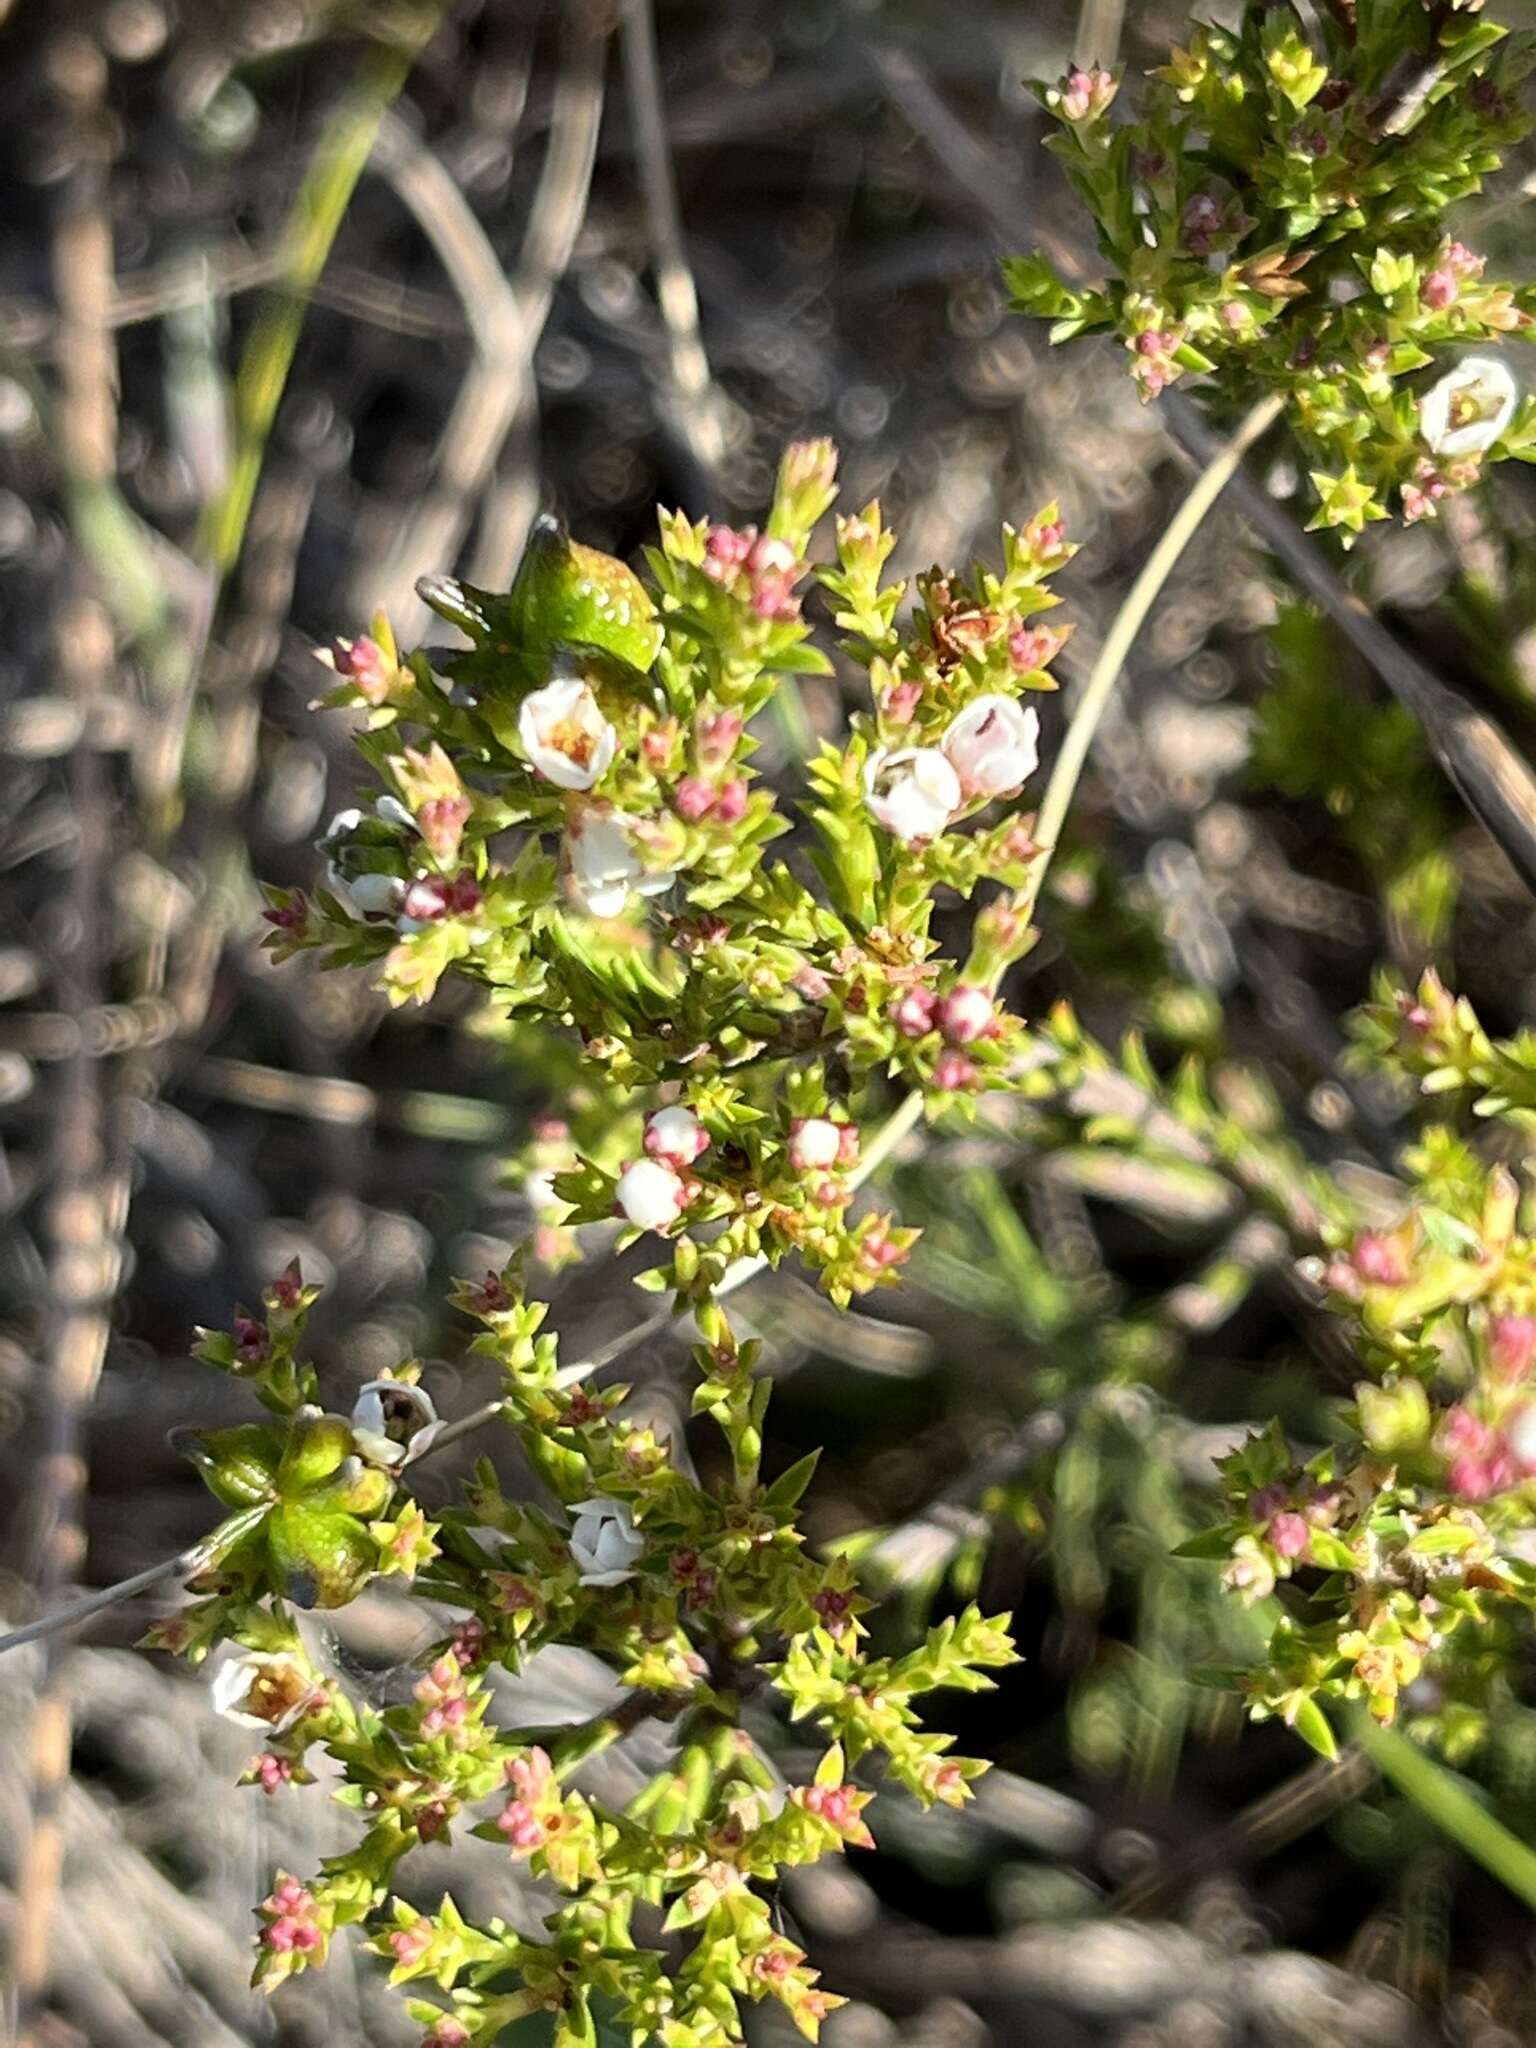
x=1521, y=1436
x=262, y=1689
x=539, y=1193
x=604, y=1541
x=390, y=811
x=912, y=792
x=342, y=826
x=565, y=735
x=1465, y=413
x=393, y=1421
x=651, y=1195
x=604, y=868
x=675, y=1137
x=370, y=895
x=814, y=1144
x=993, y=746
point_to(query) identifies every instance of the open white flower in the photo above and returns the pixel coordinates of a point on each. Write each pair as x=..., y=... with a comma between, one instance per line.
x=565, y=735
x=993, y=745
x=913, y=792
x=370, y=895
x=393, y=1421
x=651, y=1195
x=262, y=1689
x=604, y=867
x=604, y=1541
x=1465, y=413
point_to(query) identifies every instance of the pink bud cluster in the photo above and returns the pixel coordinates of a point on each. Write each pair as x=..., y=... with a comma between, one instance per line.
x=431, y=897
x=725, y=804
x=531, y=1778
x=764, y=569
x=291, y=1924
x=1442, y=285
x=1375, y=1259
x=443, y=1695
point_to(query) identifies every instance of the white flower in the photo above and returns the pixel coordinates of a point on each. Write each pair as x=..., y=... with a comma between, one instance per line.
x=370, y=895
x=675, y=1137
x=390, y=811
x=814, y=1144
x=565, y=735
x=1521, y=1436
x=912, y=792
x=604, y=867
x=651, y=1195
x=393, y=1421
x=604, y=1542
x=1465, y=413
x=262, y=1689
x=993, y=746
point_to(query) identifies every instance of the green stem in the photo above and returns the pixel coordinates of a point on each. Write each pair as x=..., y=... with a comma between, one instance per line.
x=319, y=207
x=1129, y=620
x=1444, y=1798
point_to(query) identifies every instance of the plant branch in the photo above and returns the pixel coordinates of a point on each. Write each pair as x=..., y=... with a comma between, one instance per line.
x=1491, y=776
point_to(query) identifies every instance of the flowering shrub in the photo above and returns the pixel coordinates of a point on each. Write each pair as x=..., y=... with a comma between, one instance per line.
x=1273, y=217
x=569, y=818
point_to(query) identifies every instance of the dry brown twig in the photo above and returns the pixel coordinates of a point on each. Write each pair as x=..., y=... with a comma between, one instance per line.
x=89, y=1194
x=506, y=321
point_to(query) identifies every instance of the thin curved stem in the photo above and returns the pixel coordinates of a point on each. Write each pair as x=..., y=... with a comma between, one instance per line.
x=1132, y=616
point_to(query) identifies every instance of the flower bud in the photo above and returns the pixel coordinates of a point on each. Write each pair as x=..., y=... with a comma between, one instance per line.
x=966, y=1014
x=815, y=1143
x=651, y=1196
x=913, y=1013
x=675, y=1137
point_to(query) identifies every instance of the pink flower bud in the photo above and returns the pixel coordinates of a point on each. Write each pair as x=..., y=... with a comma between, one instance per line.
x=1439, y=290
x=966, y=1014
x=953, y=1071
x=718, y=735
x=773, y=596
x=814, y=1144
x=771, y=557
x=731, y=803
x=289, y=917
x=694, y=799
x=1379, y=1260
x=410, y=1944
x=1512, y=1345
x=1032, y=647
x=675, y=1137
x=1289, y=1533
x=252, y=1341
x=273, y=1772
x=913, y=1013
x=901, y=701
x=728, y=547
x=810, y=982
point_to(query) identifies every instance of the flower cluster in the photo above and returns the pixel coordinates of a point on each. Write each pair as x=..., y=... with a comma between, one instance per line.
x=1421, y=1519
x=1274, y=218
x=570, y=818
x=696, y=1598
